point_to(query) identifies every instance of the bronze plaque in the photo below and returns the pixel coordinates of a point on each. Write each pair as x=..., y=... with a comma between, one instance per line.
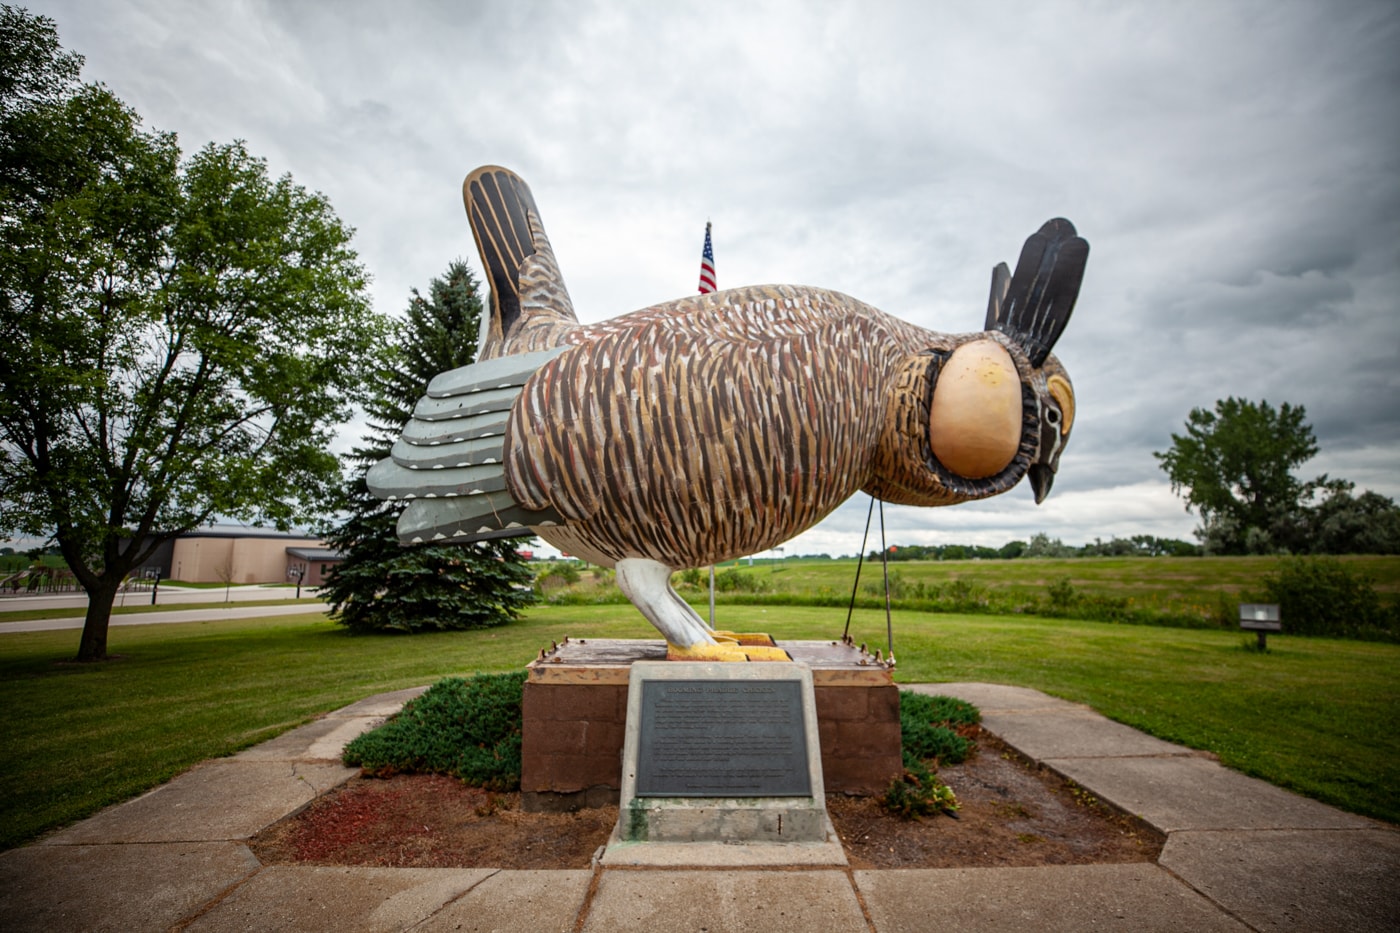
x=722, y=738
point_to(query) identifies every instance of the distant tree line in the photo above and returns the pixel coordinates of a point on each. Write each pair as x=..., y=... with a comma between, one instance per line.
x=1042, y=545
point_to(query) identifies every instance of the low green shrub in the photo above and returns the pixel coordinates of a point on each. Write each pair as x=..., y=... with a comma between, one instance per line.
x=898, y=587
x=928, y=733
x=927, y=726
x=1067, y=602
x=918, y=793
x=556, y=576
x=1322, y=596
x=734, y=580
x=467, y=728
x=600, y=593
x=957, y=595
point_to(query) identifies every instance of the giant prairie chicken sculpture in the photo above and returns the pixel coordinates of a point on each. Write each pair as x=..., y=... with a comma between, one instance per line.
x=714, y=426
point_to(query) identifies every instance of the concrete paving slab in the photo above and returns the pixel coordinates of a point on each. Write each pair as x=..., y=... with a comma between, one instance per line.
x=1138, y=898
x=726, y=902
x=381, y=704
x=115, y=888
x=829, y=851
x=515, y=902
x=1174, y=794
x=994, y=697
x=322, y=740
x=330, y=745
x=292, y=745
x=1074, y=732
x=344, y=900
x=220, y=799
x=1317, y=880
x=723, y=855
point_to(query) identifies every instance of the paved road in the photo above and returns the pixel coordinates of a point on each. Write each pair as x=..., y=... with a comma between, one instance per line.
x=206, y=605
x=167, y=595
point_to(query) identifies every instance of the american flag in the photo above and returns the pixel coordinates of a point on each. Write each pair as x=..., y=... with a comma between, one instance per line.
x=707, y=265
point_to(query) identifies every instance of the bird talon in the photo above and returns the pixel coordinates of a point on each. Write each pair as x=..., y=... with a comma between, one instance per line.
x=760, y=639
x=725, y=651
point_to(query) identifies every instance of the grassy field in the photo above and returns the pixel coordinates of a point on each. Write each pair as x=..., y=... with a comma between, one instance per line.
x=1316, y=715
x=1161, y=580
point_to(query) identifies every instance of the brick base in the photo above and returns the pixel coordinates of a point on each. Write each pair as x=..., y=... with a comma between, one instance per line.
x=571, y=754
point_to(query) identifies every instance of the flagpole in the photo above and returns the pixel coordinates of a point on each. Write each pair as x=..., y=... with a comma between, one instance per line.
x=712, y=597
x=708, y=282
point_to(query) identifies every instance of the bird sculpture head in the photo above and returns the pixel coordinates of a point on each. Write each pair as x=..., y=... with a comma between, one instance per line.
x=973, y=414
x=1031, y=310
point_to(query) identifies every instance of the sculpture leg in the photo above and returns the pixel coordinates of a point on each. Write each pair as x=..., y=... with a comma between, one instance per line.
x=647, y=583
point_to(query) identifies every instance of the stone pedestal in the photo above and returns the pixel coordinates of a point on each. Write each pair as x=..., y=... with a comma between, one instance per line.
x=575, y=716
x=713, y=755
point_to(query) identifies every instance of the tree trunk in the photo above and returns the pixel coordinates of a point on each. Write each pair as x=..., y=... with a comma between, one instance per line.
x=93, y=646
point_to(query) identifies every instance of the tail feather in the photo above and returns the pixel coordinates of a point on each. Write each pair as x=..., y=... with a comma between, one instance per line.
x=526, y=287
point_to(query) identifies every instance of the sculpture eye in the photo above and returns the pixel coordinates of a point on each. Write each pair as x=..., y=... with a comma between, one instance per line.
x=1063, y=395
x=975, y=415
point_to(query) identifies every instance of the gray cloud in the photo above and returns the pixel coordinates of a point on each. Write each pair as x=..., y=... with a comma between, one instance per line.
x=1235, y=166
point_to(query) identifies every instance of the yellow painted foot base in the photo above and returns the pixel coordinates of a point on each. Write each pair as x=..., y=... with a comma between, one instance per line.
x=747, y=638
x=726, y=651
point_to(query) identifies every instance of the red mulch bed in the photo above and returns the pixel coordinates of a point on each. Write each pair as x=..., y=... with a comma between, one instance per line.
x=1011, y=814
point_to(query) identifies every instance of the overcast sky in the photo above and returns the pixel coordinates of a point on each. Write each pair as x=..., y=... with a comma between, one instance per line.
x=1234, y=165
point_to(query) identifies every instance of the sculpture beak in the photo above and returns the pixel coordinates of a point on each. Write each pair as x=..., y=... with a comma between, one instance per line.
x=1042, y=477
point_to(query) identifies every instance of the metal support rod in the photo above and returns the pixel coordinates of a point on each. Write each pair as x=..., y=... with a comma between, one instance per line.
x=885, y=566
x=860, y=561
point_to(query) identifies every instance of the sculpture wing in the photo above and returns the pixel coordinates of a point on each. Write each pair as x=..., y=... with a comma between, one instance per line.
x=449, y=462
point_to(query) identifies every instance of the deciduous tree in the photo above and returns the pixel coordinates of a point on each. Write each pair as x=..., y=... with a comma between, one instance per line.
x=1345, y=524
x=1236, y=467
x=176, y=340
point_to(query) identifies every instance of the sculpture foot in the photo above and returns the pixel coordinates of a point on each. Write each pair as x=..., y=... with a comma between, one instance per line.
x=762, y=639
x=725, y=651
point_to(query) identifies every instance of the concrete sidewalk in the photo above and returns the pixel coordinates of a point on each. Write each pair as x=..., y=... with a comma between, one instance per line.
x=168, y=616
x=1240, y=855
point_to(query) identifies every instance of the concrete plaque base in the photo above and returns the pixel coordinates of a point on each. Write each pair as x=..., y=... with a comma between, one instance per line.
x=710, y=818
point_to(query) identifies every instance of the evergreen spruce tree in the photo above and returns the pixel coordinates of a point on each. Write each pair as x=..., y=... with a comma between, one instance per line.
x=382, y=586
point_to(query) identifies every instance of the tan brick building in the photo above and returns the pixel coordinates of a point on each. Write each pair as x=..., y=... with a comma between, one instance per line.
x=243, y=554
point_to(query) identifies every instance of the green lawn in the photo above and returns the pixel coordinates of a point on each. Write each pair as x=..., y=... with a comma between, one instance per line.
x=1316, y=715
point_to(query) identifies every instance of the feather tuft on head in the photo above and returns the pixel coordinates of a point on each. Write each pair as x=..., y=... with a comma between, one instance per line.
x=1033, y=306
